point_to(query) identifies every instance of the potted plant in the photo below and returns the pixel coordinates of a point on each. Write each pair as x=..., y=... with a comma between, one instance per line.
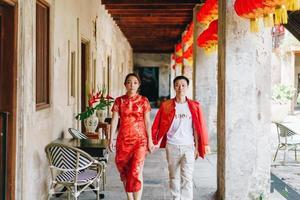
x=281, y=98
x=97, y=101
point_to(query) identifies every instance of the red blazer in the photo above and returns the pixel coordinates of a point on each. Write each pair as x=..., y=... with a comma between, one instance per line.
x=164, y=119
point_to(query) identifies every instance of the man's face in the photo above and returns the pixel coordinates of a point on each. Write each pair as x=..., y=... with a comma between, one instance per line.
x=180, y=87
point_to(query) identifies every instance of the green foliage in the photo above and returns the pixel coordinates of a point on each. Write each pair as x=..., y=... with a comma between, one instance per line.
x=261, y=196
x=281, y=94
x=298, y=99
x=102, y=104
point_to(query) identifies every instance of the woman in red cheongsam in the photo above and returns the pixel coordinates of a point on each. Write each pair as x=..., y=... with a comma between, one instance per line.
x=134, y=137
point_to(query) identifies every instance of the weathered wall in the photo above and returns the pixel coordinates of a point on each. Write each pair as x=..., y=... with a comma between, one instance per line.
x=284, y=63
x=71, y=21
x=156, y=60
x=247, y=109
x=283, y=60
x=297, y=72
x=206, y=88
x=297, y=68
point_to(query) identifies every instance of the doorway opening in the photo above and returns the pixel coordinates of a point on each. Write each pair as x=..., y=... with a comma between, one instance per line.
x=8, y=77
x=84, y=76
x=149, y=82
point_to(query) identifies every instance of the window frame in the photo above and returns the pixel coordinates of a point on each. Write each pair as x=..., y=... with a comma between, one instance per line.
x=43, y=57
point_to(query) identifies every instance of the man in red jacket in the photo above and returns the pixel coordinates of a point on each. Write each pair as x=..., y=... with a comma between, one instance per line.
x=180, y=127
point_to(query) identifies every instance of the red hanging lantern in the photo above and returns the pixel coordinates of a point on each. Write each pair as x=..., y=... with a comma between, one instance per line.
x=208, y=39
x=208, y=12
x=178, y=60
x=188, y=53
x=188, y=33
x=178, y=49
x=246, y=9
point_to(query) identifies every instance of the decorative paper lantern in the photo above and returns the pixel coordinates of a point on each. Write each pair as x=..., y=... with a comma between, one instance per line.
x=188, y=33
x=188, y=53
x=178, y=50
x=178, y=60
x=208, y=12
x=246, y=10
x=292, y=5
x=280, y=10
x=208, y=39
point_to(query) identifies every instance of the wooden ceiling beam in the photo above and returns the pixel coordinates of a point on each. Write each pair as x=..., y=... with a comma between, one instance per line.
x=152, y=11
x=152, y=34
x=143, y=41
x=143, y=14
x=139, y=23
x=153, y=19
x=147, y=2
x=174, y=7
x=155, y=51
x=152, y=26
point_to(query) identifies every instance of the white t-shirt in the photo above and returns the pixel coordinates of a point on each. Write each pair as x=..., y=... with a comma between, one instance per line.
x=181, y=130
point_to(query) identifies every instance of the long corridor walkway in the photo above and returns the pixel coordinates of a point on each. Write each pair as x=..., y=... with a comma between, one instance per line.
x=156, y=184
x=156, y=179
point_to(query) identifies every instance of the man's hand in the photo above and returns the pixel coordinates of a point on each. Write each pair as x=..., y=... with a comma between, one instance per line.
x=207, y=149
x=196, y=154
x=151, y=146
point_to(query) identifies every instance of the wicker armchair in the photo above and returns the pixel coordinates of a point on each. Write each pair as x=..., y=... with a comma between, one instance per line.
x=287, y=140
x=74, y=169
x=77, y=134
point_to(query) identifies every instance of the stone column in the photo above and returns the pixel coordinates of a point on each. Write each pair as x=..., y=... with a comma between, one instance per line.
x=244, y=76
x=206, y=86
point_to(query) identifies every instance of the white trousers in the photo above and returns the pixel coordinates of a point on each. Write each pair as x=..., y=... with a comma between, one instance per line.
x=181, y=161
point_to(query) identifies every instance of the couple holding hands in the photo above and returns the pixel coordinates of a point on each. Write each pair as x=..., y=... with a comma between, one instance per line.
x=178, y=126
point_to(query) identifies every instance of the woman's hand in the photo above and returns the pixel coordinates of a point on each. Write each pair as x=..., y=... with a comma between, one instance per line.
x=151, y=146
x=111, y=145
x=207, y=149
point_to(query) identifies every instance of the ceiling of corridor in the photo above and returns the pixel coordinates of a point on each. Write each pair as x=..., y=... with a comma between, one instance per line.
x=152, y=26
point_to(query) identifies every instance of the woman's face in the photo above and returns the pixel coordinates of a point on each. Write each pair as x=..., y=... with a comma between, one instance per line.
x=132, y=84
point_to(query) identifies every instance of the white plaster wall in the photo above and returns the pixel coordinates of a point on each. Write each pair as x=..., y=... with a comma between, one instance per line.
x=38, y=128
x=283, y=60
x=156, y=60
x=247, y=107
x=206, y=88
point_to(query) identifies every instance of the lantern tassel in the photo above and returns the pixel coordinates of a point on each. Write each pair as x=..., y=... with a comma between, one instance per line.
x=254, y=25
x=268, y=20
x=292, y=5
x=281, y=16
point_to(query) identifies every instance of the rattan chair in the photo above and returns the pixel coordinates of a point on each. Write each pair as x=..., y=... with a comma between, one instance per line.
x=74, y=169
x=77, y=134
x=287, y=140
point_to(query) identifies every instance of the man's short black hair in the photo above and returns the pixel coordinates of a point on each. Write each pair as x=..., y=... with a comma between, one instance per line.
x=181, y=78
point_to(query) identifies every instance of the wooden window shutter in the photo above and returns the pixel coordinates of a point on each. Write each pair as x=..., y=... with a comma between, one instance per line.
x=42, y=56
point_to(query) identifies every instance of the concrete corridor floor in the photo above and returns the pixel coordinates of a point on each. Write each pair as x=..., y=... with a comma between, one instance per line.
x=156, y=185
x=156, y=180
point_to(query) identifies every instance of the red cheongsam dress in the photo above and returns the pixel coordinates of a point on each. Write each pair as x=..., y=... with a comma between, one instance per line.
x=132, y=142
